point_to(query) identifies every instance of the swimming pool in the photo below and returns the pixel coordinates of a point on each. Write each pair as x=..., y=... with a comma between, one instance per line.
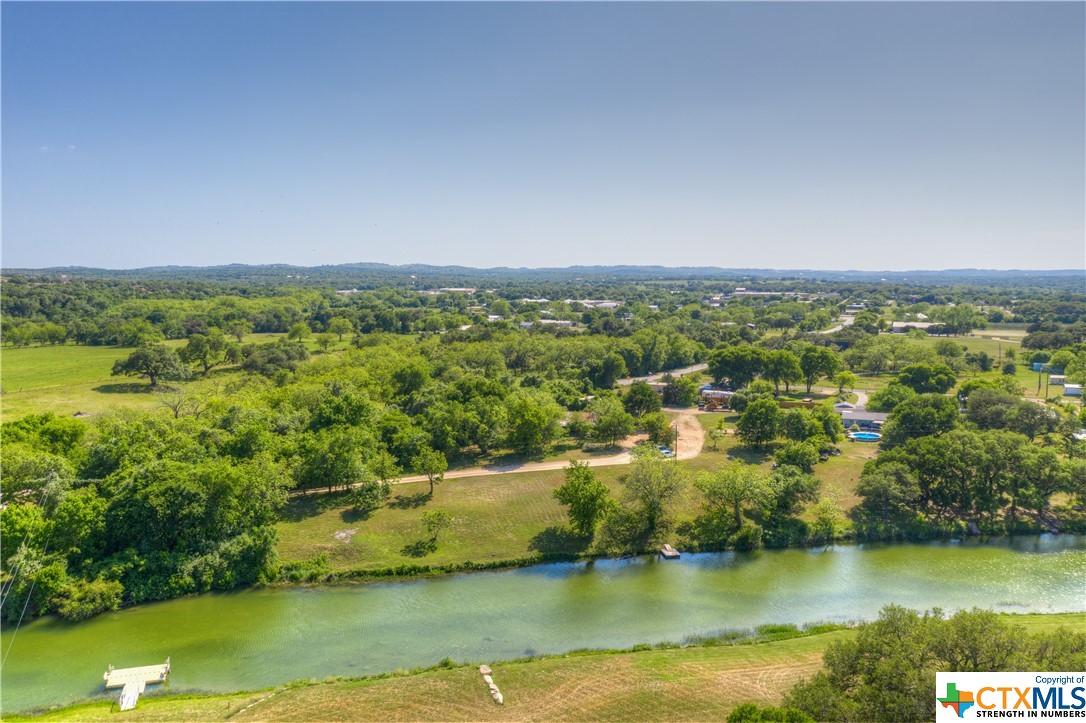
x=865, y=436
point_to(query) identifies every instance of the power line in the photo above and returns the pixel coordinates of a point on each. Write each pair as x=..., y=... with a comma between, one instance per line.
x=29, y=595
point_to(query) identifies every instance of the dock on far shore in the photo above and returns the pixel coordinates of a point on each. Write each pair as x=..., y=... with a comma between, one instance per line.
x=669, y=552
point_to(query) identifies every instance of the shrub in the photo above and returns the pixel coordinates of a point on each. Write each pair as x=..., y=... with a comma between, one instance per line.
x=749, y=537
x=82, y=599
x=803, y=455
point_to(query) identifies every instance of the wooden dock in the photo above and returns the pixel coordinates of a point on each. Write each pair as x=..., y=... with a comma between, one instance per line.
x=669, y=552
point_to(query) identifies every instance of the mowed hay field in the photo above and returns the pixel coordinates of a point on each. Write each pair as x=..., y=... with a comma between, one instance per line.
x=696, y=683
x=65, y=380
x=68, y=379
x=679, y=684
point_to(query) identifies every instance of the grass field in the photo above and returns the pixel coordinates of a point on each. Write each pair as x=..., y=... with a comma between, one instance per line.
x=501, y=517
x=66, y=380
x=69, y=379
x=504, y=517
x=694, y=683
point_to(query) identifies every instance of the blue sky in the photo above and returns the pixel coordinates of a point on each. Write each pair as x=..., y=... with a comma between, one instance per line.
x=809, y=135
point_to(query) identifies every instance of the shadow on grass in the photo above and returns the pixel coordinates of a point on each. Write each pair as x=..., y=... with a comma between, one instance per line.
x=409, y=502
x=304, y=506
x=510, y=460
x=603, y=450
x=558, y=539
x=128, y=388
x=419, y=548
x=354, y=514
x=749, y=455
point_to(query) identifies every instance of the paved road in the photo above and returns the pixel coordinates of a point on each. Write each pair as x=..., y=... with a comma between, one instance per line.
x=658, y=376
x=845, y=321
x=691, y=440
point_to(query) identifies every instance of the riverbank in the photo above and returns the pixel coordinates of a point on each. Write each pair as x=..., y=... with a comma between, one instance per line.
x=252, y=639
x=500, y=519
x=702, y=681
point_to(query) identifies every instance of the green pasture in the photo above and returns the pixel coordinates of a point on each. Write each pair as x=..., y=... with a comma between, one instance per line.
x=68, y=379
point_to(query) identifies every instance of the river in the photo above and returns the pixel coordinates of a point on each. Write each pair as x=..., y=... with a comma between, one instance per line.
x=260, y=637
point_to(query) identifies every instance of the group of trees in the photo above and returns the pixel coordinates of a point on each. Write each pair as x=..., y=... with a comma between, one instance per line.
x=746, y=508
x=799, y=361
x=995, y=479
x=629, y=522
x=1052, y=335
x=808, y=432
x=132, y=309
x=130, y=509
x=995, y=468
x=743, y=507
x=887, y=671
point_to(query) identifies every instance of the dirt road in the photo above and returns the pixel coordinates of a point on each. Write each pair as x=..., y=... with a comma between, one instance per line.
x=660, y=375
x=691, y=440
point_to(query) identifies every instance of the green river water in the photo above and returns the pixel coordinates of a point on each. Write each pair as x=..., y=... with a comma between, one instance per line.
x=257, y=638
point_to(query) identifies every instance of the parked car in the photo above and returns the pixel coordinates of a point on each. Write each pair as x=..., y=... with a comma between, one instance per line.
x=665, y=450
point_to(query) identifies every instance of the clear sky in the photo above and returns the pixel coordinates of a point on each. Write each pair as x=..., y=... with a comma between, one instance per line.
x=809, y=135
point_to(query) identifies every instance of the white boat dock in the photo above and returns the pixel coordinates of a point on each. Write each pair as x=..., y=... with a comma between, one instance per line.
x=133, y=681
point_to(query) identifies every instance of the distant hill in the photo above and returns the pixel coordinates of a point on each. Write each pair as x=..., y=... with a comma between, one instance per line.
x=369, y=274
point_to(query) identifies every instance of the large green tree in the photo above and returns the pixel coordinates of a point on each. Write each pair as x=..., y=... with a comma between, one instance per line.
x=760, y=423
x=783, y=366
x=588, y=499
x=533, y=421
x=818, y=361
x=340, y=326
x=924, y=378
x=210, y=350
x=641, y=399
x=731, y=487
x=889, y=495
x=154, y=361
x=612, y=422
x=652, y=483
x=738, y=364
x=920, y=416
